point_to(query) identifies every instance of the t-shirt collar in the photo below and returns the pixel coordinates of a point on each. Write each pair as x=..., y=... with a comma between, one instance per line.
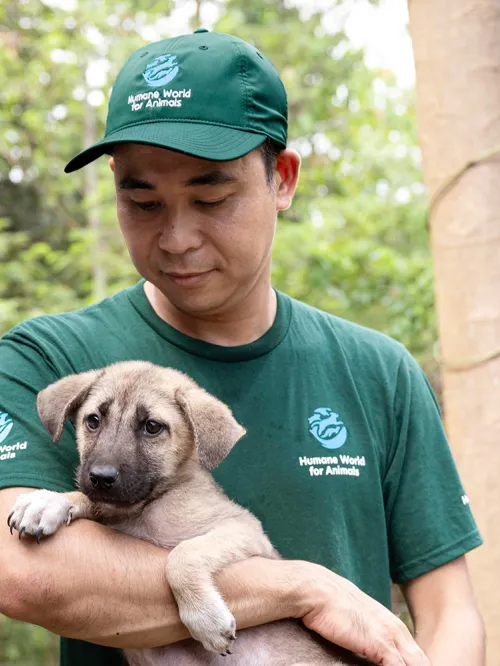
x=263, y=345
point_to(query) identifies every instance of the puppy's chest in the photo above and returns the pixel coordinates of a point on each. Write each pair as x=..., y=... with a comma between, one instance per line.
x=158, y=527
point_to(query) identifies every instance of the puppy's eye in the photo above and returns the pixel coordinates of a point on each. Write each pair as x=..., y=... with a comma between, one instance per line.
x=92, y=421
x=153, y=428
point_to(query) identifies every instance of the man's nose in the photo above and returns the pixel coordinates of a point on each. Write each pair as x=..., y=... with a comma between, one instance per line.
x=103, y=477
x=179, y=236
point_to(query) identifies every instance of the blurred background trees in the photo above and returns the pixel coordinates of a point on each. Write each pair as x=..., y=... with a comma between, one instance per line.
x=354, y=243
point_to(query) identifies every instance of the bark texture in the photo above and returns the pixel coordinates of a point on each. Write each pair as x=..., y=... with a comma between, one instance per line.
x=457, y=55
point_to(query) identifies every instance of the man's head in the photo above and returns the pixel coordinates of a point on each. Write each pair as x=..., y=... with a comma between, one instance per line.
x=197, y=130
x=201, y=231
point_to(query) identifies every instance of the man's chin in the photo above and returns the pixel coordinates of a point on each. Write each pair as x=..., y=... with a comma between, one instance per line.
x=204, y=298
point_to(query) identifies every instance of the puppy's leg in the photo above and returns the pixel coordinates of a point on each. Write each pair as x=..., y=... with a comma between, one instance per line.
x=190, y=570
x=42, y=512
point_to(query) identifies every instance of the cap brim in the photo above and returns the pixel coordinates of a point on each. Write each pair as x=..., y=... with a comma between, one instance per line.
x=211, y=142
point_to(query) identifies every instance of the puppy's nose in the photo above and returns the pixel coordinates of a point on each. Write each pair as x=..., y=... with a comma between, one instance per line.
x=103, y=476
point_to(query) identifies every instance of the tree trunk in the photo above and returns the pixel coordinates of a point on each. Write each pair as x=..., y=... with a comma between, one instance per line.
x=99, y=278
x=457, y=55
x=195, y=21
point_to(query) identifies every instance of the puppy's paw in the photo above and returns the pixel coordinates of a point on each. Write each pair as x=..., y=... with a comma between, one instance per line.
x=40, y=513
x=211, y=623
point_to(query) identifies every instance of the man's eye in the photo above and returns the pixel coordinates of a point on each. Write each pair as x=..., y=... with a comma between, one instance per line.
x=146, y=205
x=211, y=204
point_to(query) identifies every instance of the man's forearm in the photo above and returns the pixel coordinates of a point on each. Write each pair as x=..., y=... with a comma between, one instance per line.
x=95, y=584
x=457, y=638
x=90, y=582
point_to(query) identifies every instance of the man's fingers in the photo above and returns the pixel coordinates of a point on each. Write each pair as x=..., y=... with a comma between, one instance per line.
x=412, y=654
x=383, y=652
x=398, y=639
x=387, y=648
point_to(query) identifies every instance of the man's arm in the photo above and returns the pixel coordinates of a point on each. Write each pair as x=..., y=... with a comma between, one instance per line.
x=93, y=583
x=448, y=626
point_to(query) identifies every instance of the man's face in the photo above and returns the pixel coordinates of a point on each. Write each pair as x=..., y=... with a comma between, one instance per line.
x=200, y=231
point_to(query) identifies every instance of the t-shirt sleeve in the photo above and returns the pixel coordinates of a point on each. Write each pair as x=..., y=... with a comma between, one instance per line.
x=28, y=457
x=429, y=519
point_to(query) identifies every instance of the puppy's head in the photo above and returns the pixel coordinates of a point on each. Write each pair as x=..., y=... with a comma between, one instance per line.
x=137, y=424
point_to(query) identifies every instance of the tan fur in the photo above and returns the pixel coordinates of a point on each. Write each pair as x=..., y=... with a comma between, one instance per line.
x=172, y=501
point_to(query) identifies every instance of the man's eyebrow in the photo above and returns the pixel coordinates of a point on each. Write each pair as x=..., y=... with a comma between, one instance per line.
x=216, y=177
x=131, y=183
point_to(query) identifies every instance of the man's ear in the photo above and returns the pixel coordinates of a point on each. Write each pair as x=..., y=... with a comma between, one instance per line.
x=214, y=428
x=60, y=400
x=288, y=168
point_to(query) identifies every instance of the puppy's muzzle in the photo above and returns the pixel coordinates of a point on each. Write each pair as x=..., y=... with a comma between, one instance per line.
x=103, y=477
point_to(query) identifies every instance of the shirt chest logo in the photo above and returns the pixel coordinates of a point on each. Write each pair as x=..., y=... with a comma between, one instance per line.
x=327, y=427
x=330, y=431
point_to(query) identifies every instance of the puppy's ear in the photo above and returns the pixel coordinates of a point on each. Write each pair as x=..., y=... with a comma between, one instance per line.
x=60, y=400
x=214, y=428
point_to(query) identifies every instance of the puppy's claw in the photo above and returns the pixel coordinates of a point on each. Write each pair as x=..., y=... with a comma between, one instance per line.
x=9, y=518
x=233, y=637
x=21, y=532
x=12, y=527
x=39, y=534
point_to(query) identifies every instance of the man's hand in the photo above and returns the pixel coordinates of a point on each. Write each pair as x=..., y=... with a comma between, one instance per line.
x=335, y=608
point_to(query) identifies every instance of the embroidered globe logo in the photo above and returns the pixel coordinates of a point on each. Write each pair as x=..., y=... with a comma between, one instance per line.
x=161, y=71
x=6, y=425
x=326, y=426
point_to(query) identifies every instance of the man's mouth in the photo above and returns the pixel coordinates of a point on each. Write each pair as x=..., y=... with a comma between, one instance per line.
x=187, y=279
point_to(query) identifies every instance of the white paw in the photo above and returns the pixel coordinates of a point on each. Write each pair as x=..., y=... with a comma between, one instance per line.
x=211, y=623
x=40, y=513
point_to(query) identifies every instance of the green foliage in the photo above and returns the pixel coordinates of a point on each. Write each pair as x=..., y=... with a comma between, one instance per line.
x=354, y=242
x=26, y=645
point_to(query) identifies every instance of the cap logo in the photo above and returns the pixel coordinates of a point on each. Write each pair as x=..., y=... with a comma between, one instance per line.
x=161, y=71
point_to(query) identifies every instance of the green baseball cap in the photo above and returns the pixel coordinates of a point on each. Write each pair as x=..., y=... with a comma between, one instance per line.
x=206, y=94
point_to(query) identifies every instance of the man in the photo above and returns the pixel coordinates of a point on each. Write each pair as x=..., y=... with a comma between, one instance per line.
x=345, y=460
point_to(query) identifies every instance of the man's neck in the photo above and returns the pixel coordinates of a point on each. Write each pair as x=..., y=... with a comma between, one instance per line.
x=239, y=326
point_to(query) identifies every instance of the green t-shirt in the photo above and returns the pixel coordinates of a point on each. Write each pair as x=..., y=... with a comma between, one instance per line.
x=345, y=461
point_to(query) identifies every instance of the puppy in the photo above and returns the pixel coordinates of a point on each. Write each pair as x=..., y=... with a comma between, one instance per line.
x=147, y=438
